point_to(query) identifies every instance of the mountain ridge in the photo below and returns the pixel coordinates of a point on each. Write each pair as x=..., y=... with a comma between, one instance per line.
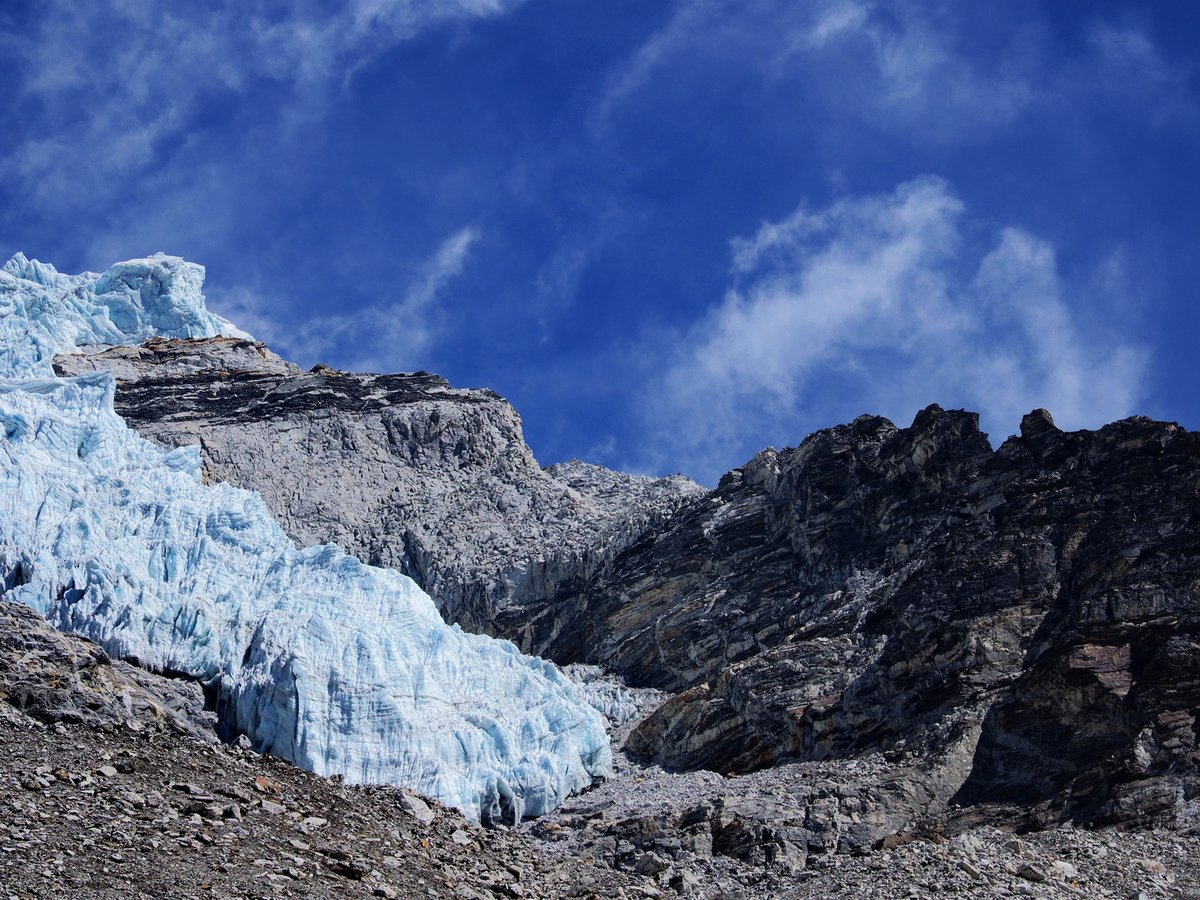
x=882, y=635
x=334, y=454
x=827, y=559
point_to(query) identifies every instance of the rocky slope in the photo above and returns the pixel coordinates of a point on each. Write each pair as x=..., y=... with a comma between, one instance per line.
x=1023, y=621
x=1003, y=636
x=113, y=786
x=403, y=471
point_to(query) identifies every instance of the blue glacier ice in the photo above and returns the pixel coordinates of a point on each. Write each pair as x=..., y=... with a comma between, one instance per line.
x=320, y=659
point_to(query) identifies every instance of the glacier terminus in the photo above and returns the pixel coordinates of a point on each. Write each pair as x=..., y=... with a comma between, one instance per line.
x=335, y=665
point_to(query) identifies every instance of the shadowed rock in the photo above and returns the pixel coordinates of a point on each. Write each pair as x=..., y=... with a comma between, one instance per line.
x=1027, y=616
x=1035, y=609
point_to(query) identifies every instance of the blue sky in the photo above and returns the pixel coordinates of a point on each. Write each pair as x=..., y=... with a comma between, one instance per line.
x=670, y=233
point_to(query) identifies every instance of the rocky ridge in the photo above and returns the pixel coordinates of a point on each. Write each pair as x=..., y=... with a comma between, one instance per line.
x=403, y=471
x=883, y=639
x=1024, y=620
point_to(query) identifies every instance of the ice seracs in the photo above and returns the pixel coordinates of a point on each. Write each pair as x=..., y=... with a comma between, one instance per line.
x=43, y=311
x=336, y=665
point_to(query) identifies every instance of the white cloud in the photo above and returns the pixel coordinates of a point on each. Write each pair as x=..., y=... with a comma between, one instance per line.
x=1025, y=330
x=879, y=304
x=833, y=21
x=391, y=335
x=908, y=66
x=891, y=62
x=557, y=280
x=114, y=82
x=1124, y=64
x=691, y=23
x=250, y=309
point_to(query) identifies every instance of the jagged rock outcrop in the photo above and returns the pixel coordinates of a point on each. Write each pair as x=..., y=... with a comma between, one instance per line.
x=1026, y=620
x=111, y=791
x=403, y=471
x=312, y=655
x=1030, y=616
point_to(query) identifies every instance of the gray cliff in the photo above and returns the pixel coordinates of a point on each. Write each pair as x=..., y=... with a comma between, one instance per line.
x=403, y=470
x=1025, y=622
x=1015, y=632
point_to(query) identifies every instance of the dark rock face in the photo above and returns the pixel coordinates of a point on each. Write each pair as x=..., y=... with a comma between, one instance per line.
x=1033, y=612
x=1018, y=629
x=60, y=679
x=404, y=471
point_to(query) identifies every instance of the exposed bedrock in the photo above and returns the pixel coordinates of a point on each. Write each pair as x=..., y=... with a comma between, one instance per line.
x=1026, y=616
x=403, y=471
x=911, y=590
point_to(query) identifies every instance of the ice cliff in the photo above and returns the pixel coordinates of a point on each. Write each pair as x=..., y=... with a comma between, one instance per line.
x=338, y=666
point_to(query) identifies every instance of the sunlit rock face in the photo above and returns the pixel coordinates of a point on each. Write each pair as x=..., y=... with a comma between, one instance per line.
x=319, y=658
x=402, y=470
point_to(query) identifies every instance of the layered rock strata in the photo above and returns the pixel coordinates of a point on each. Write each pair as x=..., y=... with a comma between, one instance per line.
x=1019, y=623
x=404, y=471
x=1027, y=616
x=114, y=788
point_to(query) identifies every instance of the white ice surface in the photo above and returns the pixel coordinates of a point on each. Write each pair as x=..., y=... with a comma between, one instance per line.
x=338, y=666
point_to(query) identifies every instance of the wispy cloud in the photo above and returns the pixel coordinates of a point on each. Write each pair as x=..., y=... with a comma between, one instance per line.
x=906, y=65
x=174, y=126
x=110, y=86
x=689, y=25
x=880, y=304
x=1125, y=64
x=393, y=334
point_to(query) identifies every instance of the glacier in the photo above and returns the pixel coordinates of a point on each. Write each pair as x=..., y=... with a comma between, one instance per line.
x=337, y=666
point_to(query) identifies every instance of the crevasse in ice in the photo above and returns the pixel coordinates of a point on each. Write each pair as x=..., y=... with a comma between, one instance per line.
x=338, y=666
